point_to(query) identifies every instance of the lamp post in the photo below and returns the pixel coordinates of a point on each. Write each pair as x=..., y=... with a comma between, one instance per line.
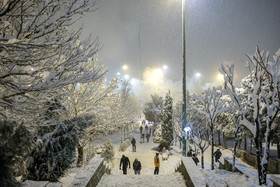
x=184, y=106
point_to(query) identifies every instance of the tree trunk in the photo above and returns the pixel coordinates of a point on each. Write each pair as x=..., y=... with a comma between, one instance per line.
x=239, y=143
x=202, y=158
x=225, y=140
x=234, y=151
x=212, y=147
x=245, y=143
x=258, y=144
x=265, y=159
x=80, y=155
x=278, y=149
x=219, y=137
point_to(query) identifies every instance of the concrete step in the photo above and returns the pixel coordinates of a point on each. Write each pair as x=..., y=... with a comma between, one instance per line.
x=167, y=180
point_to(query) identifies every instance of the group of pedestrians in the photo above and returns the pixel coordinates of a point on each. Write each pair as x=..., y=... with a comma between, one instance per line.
x=125, y=163
x=146, y=133
x=217, y=154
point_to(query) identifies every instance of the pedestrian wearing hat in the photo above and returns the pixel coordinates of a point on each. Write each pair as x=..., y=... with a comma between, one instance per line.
x=157, y=164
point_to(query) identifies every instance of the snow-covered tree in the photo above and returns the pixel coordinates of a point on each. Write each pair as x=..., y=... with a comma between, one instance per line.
x=157, y=138
x=167, y=125
x=200, y=137
x=39, y=55
x=265, y=97
x=228, y=72
x=212, y=104
x=87, y=98
x=153, y=109
x=55, y=150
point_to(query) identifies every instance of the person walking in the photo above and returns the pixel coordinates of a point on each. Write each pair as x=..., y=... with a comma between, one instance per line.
x=148, y=137
x=133, y=142
x=217, y=155
x=141, y=129
x=195, y=159
x=124, y=163
x=142, y=138
x=136, y=166
x=157, y=164
x=146, y=129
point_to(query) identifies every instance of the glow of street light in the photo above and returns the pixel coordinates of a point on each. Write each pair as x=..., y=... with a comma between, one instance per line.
x=126, y=77
x=197, y=75
x=157, y=72
x=125, y=67
x=220, y=76
x=164, y=67
x=118, y=73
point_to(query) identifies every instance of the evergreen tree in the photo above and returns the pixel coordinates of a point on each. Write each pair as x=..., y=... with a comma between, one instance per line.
x=55, y=149
x=167, y=127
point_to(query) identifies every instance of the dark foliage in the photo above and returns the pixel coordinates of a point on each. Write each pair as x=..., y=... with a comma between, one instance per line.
x=15, y=145
x=55, y=150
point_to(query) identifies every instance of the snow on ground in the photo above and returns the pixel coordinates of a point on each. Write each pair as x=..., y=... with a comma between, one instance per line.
x=169, y=180
x=145, y=154
x=225, y=178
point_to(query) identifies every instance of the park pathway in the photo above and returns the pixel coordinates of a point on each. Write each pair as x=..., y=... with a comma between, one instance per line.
x=167, y=175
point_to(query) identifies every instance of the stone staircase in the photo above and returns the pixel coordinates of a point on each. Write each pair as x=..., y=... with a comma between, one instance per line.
x=165, y=180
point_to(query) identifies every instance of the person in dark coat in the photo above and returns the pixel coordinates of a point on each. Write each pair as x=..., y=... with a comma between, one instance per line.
x=141, y=129
x=148, y=137
x=142, y=138
x=133, y=142
x=146, y=129
x=217, y=155
x=137, y=166
x=195, y=159
x=189, y=153
x=124, y=163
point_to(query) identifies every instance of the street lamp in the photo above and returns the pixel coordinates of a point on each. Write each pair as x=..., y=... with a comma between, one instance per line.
x=184, y=106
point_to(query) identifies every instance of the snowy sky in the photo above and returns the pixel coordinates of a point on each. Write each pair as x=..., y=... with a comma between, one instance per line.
x=216, y=30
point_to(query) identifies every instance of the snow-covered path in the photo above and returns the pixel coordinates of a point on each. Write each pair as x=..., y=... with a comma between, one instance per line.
x=170, y=180
x=145, y=154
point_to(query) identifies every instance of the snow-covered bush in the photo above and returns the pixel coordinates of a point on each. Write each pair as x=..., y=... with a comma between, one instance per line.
x=124, y=145
x=55, y=150
x=108, y=151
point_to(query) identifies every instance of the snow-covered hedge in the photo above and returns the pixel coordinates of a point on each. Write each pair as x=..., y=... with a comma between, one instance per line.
x=125, y=145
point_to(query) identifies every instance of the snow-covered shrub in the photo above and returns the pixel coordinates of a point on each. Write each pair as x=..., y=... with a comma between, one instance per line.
x=157, y=134
x=15, y=145
x=124, y=145
x=55, y=150
x=108, y=151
